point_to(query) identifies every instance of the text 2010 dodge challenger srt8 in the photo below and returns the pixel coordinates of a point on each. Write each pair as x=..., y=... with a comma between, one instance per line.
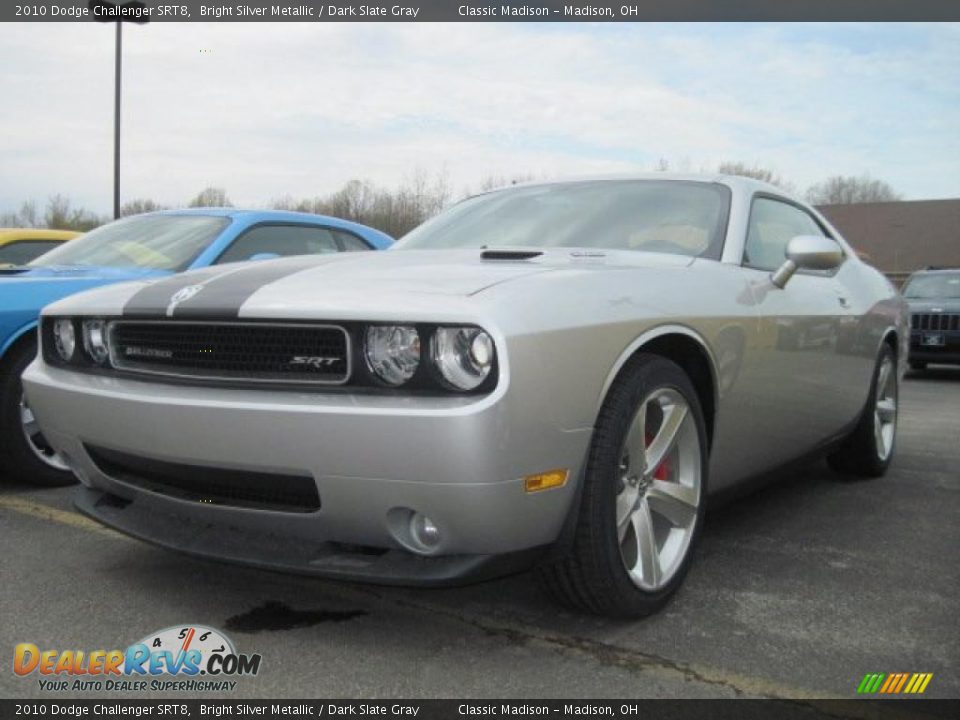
x=552, y=373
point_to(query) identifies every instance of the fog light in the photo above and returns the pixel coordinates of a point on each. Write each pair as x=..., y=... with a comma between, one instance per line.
x=424, y=532
x=95, y=340
x=546, y=480
x=64, y=338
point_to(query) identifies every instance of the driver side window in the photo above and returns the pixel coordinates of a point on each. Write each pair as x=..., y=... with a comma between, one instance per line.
x=282, y=240
x=773, y=224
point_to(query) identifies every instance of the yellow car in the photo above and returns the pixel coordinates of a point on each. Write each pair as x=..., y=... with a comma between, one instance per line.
x=20, y=246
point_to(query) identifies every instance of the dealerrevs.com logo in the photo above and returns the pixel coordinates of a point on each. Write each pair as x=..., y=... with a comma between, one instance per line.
x=187, y=658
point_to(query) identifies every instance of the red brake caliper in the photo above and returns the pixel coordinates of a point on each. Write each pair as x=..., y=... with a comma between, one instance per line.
x=662, y=472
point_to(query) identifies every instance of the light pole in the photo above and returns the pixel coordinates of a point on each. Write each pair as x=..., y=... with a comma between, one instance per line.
x=108, y=12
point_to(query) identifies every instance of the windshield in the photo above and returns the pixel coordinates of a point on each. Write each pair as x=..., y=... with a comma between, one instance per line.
x=684, y=218
x=944, y=285
x=157, y=242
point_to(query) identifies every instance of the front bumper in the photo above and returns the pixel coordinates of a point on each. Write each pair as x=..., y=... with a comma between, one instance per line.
x=275, y=551
x=460, y=461
x=947, y=352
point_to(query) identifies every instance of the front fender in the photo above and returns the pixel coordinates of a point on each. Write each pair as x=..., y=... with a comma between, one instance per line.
x=16, y=335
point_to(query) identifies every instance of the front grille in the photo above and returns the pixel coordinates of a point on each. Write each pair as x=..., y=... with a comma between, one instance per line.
x=943, y=322
x=219, y=486
x=232, y=351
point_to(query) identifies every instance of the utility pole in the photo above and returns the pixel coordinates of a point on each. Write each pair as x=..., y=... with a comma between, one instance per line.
x=108, y=12
x=117, y=75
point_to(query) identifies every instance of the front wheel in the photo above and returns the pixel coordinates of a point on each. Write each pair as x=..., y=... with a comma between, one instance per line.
x=25, y=454
x=643, y=497
x=868, y=450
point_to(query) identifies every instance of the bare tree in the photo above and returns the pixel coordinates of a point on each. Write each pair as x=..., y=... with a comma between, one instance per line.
x=60, y=215
x=140, y=206
x=395, y=212
x=25, y=217
x=211, y=197
x=847, y=189
x=679, y=165
x=285, y=202
x=493, y=182
x=753, y=171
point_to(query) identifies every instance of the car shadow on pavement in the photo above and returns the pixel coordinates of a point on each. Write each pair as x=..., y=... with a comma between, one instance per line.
x=939, y=373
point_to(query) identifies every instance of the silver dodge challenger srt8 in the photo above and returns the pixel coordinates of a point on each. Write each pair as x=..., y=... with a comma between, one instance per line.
x=554, y=374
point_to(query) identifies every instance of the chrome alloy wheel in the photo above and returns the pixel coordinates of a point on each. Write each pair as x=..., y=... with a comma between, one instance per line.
x=38, y=444
x=885, y=409
x=659, y=489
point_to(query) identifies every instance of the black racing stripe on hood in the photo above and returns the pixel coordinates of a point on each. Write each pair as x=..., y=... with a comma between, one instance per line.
x=154, y=299
x=223, y=292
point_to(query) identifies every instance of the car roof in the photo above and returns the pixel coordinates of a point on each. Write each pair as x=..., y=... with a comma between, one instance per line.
x=251, y=214
x=7, y=234
x=256, y=216
x=734, y=181
x=248, y=217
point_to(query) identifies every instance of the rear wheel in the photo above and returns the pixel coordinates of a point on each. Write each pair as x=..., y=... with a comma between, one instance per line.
x=25, y=454
x=643, y=496
x=869, y=449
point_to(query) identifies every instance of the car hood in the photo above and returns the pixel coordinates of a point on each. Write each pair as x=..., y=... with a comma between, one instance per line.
x=922, y=305
x=350, y=283
x=435, y=272
x=24, y=291
x=73, y=272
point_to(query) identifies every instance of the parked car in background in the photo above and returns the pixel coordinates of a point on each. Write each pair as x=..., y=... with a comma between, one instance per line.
x=554, y=373
x=18, y=246
x=141, y=247
x=933, y=296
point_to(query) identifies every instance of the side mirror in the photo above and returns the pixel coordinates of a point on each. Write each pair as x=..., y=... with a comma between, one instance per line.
x=263, y=256
x=808, y=252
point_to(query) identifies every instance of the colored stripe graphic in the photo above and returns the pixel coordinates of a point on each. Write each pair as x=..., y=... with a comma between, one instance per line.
x=903, y=679
x=894, y=683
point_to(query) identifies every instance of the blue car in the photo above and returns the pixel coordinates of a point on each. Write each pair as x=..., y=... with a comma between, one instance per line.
x=135, y=248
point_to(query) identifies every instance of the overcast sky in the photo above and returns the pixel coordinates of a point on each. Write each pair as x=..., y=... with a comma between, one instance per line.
x=298, y=109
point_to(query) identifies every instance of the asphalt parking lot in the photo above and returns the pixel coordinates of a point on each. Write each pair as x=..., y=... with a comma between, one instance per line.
x=798, y=590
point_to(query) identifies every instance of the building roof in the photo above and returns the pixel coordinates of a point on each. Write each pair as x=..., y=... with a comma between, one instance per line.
x=903, y=236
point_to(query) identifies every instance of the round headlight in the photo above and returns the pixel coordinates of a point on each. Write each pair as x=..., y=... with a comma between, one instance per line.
x=95, y=340
x=393, y=352
x=64, y=338
x=464, y=356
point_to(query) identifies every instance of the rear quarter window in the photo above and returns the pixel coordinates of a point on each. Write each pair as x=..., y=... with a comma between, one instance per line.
x=20, y=252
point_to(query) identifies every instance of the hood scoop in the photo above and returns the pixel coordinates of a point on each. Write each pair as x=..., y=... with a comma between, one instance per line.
x=510, y=254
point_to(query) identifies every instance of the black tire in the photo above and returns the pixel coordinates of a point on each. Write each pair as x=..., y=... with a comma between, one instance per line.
x=17, y=458
x=859, y=455
x=918, y=365
x=592, y=575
